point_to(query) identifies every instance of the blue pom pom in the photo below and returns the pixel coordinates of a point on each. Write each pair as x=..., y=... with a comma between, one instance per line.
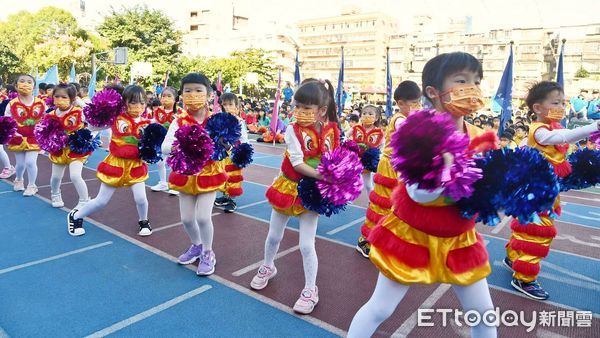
x=370, y=159
x=224, y=127
x=311, y=198
x=150, y=143
x=82, y=141
x=241, y=155
x=586, y=170
x=521, y=182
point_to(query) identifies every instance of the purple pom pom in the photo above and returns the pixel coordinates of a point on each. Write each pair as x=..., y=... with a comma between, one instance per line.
x=12, y=95
x=342, y=182
x=351, y=145
x=463, y=175
x=192, y=149
x=106, y=105
x=8, y=128
x=50, y=135
x=595, y=138
x=49, y=101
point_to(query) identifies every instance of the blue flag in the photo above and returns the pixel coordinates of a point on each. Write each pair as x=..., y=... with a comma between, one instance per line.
x=92, y=85
x=72, y=74
x=297, y=72
x=560, y=76
x=36, y=90
x=51, y=76
x=388, y=90
x=339, y=95
x=504, y=94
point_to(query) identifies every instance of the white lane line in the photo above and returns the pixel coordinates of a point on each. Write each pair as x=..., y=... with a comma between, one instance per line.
x=149, y=313
x=346, y=226
x=169, y=226
x=580, y=216
x=251, y=204
x=410, y=323
x=52, y=258
x=3, y=333
x=256, y=265
x=502, y=224
x=65, y=183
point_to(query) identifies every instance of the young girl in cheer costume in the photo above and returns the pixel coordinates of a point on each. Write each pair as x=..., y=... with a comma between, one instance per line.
x=164, y=115
x=530, y=243
x=122, y=167
x=233, y=187
x=27, y=112
x=71, y=121
x=314, y=133
x=425, y=239
x=408, y=98
x=196, y=192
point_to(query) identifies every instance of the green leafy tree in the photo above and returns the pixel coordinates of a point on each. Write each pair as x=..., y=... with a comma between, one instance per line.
x=8, y=62
x=582, y=73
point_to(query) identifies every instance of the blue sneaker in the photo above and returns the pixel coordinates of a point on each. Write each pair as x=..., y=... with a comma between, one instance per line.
x=532, y=289
x=507, y=262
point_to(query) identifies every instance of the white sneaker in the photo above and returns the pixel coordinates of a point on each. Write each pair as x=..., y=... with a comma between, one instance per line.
x=30, y=191
x=307, y=301
x=19, y=186
x=57, y=201
x=173, y=192
x=261, y=279
x=81, y=203
x=161, y=186
x=7, y=172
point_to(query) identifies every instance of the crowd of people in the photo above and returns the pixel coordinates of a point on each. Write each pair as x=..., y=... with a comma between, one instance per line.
x=412, y=233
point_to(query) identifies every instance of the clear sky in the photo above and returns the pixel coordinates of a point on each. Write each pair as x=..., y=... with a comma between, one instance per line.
x=486, y=13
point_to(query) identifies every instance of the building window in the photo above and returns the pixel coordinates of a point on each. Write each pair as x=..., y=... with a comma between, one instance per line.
x=193, y=14
x=193, y=27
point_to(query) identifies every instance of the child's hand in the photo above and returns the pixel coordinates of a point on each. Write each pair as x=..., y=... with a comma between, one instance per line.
x=223, y=144
x=448, y=162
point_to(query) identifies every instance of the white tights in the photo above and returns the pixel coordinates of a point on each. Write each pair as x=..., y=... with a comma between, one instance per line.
x=26, y=160
x=162, y=171
x=368, y=182
x=75, y=168
x=196, y=217
x=308, y=232
x=104, y=195
x=388, y=294
x=4, y=157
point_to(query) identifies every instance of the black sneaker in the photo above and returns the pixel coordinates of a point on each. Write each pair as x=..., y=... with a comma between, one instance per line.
x=507, y=262
x=75, y=226
x=532, y=289
x=145, y=228
x=221, y=201
x=363, y=247
x=230, y=206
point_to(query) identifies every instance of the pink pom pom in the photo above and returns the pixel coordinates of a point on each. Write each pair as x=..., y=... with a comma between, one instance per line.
x=50, y=135
x=106, y=105
x=595, y=138
x=8, y=128
x=342, y=182
x=192, y=149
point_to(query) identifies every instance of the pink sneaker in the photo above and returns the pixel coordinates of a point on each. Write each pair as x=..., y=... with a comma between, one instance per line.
x=262, y=277
x=7, y=172
x=307, y=301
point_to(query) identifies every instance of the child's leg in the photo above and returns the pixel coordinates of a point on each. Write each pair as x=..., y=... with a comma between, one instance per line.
x=368, y=181
x=276, y=229
x=19, y=165
x=187, y=210
x=141, y=202
x=99, y=202
x=31, y=166
x=386, y=297
x=477, y=297
x=162, y=171
x=75, y=169
x=58, y=171
x=204, y=205
x=4, y=157
x=308, y=232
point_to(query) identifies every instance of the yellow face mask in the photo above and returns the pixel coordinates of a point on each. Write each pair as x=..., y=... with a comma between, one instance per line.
x=25, y=89
x=556, y=114
x=135, y=109
x=167, y=102
x=305, y=117
x=231, y=110
x=464, y=100
x=194, y=101
x=368, y=120
x=62, y=103
x=415, y=107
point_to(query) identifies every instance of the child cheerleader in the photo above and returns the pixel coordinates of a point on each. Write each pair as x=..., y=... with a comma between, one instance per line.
x=425, y=239
x=370, y=139
x=164, y=115
x=233, y=187
x=7, y=169
x=122, y=167
x=71, y=121
x=314, y=132
x=196, y=192
x=530, y=243
x=408, y=98
x=27, y=111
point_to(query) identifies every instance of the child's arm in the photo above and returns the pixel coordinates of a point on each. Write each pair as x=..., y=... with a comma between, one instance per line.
x=294, y=150
x=167, y=144
x=547, y=137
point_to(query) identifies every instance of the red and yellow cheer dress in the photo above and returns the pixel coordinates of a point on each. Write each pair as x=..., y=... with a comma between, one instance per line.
x=386, y=179
x=71, y=121
x=366, y=139
x=530, y=243
x=430, y=242
x=283, y=193
x=211, y=178
x=26, y=117
x=233, y=186
x=165, y=118
x=123, y=167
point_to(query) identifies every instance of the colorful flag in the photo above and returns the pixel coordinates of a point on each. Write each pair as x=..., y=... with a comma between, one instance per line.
x=92, y=85
x=388, y=90
x=275, y=114
x=560, y=76
x=504, y=94
x=297, y=72
x=72, y=74
x=339, y=95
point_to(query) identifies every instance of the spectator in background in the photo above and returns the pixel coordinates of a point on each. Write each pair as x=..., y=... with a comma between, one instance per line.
x=149, y=97
x=579, y=103
x=488, y=125
x=353, y=119
x=593, y=108
x=288, y=93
